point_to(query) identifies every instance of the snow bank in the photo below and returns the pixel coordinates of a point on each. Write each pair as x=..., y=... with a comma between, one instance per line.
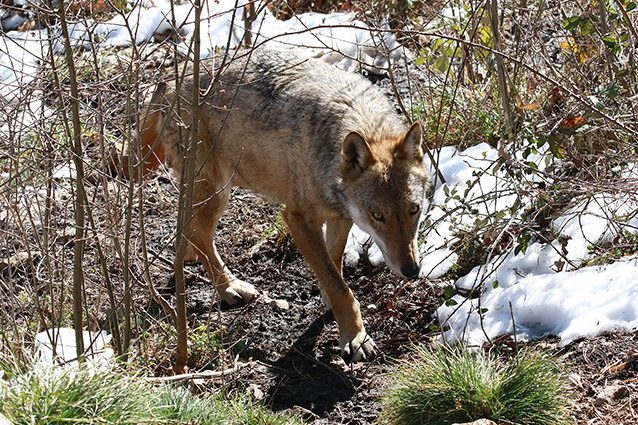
x=547, y=292
x=338, y=38
x=20, y=56
x=580, y=303
x=595, y=220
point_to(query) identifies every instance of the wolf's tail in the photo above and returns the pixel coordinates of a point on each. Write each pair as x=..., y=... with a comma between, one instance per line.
x=150, y=153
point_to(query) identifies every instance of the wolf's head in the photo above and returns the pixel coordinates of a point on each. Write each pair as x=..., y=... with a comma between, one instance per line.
x=385, y=184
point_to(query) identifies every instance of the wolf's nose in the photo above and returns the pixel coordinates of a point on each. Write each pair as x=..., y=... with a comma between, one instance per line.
x=411, y=270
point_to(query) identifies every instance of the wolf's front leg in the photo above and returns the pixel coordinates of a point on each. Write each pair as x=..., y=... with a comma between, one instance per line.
x=306, y=232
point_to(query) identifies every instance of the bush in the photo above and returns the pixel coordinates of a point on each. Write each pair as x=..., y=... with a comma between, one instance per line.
x=447, y=385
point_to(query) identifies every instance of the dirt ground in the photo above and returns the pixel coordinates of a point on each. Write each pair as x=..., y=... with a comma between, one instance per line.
x=296, y=350
x=295, y=353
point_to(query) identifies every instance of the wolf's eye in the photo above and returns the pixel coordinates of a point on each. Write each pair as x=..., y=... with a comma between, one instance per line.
x=414, y=208
x=378, y=216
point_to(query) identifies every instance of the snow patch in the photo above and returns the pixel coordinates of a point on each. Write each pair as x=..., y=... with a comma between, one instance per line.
x=571, y=305
x=57, y=347
x=337, y=38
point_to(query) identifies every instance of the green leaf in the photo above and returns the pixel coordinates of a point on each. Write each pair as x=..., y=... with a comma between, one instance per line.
x=531, y=164
x=557, y=151
x=442, y=64
x=610, y=91
x=523, y=241
x=572, y=23
x=449, y=292
x=586, y=26
x=495, y=284
x=610, y=42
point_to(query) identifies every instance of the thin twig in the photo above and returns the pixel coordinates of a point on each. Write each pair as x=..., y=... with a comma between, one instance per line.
x=205, y=374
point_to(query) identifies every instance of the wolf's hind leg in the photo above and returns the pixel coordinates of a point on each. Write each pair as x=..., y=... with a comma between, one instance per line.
x=204, y=224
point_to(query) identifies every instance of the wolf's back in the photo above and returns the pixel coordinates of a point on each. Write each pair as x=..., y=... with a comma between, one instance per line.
x=273, y=91
x=280, y=89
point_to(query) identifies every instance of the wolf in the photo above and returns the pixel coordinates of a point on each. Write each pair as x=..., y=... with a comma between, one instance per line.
x=323, y=142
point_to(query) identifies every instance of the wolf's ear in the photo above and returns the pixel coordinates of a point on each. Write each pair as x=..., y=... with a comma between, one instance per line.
x=411, y=146
x=356, y=153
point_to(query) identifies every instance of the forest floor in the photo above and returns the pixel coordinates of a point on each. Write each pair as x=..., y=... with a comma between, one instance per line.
x=296, y=363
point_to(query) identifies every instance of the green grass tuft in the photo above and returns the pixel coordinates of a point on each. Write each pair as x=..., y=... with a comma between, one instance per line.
x=65, y=397
x=82, y=397
x=441, y=386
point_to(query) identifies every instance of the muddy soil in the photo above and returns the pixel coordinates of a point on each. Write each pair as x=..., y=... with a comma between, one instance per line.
x=295, y=350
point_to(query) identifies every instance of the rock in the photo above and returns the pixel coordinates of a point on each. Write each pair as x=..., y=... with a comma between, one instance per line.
x=575, y=379
x=20, y=260
x=256, y=392
x=212, y=316
x=610, y=394
x=280, y=305
x=65, y=172
x=306, y=414
x=479, y=422
x=12, y=22
x=253, y=250
x=372, y=308
x=66, y=235
x=264, y=297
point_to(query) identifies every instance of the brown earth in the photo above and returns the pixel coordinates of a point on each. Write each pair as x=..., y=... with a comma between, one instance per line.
x=297, y=365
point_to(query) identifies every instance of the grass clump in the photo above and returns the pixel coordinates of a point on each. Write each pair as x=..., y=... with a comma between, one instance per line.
x=80, y=397
x=177, y=405
x=441, y=386
x=62, y=396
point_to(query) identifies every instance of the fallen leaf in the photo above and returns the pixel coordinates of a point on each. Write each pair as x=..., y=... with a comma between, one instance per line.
x=556, y=96
x=574, y=122
x=533, y=106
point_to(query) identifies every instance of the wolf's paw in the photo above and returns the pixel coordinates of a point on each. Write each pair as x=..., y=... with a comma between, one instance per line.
x=357, y=349
x=191, y=256
x=238, y=291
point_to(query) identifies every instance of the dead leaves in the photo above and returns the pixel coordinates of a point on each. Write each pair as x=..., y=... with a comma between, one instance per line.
x=573, y=122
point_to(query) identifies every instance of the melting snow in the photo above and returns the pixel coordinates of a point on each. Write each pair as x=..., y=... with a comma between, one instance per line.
x=338, y=38
x=574, y=304
x=57, y=346
x=541, y=291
